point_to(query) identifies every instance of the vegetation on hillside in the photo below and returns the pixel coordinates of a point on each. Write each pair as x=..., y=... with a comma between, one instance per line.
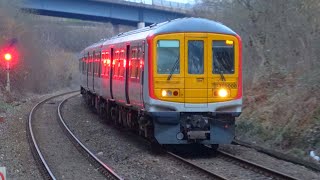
x=281, y=69
x=47, y=47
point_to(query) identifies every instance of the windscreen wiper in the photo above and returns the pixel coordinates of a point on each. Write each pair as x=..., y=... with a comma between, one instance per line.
x=173, y=68
x=221, y=72
x=221, y=75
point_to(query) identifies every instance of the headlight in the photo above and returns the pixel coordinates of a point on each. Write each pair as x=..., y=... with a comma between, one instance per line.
x=164, y=93
x=223, y=93
x=169, y=93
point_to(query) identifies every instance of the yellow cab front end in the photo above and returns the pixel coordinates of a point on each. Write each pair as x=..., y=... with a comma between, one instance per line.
x=196, y=85
x=196, y=68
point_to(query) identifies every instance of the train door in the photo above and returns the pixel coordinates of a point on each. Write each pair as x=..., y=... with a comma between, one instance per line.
x=111, y=71
x=141, y=67
x=196, y=70
x=127, y=61
x=87, y=68
x=93, y=69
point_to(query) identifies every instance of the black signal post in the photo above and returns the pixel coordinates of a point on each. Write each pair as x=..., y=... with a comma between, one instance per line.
x=9, y=53
x=8, y=58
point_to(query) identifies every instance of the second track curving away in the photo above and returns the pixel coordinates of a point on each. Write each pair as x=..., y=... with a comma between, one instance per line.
x=102, y=167
x=42, y=163
x=38, y=148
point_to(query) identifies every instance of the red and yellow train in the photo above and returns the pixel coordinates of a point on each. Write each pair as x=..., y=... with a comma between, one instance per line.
x=177, y=82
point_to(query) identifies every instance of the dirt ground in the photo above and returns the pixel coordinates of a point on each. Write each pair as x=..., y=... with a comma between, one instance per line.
x=15, y=152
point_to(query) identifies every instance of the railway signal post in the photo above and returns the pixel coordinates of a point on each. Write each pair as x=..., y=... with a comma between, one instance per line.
x=8, y=58
x=10, y=55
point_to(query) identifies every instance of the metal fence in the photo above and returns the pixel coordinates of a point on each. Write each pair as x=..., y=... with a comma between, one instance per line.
x=187, y=4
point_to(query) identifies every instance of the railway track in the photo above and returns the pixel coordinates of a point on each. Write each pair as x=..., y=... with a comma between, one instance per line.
x=102, y=167
x=108, y=173
x=199, y=164
x=37, y=128
x=255, y=167
x=199, y=168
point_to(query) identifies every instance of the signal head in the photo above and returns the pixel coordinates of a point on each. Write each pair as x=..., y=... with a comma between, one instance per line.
x=7, y=57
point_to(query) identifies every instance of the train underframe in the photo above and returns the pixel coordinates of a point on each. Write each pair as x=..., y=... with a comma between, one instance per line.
x=166, y=127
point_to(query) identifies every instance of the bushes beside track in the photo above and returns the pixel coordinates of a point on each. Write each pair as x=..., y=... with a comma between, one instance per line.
x=280, y=69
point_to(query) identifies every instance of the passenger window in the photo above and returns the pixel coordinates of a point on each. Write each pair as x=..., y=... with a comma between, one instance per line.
x=132, y=63
x=168, y=57
x=223, y=57
x=106, y=64
x=116, y=64
x=95, y=66
x=98, y=65
x=139, y=63
x=90, y=65
x=195, y=57
x=102, y=66
x=133, y=69
x=87, y=65
x=82, y=63
x=118, y=67
x=122, y=64
x=84, y=70
x=121, y=68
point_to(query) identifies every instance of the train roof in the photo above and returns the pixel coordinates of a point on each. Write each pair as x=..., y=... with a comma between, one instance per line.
x=174, y=26
x=183, y=25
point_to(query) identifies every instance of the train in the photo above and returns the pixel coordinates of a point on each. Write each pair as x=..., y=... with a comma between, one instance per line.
x=176, y=82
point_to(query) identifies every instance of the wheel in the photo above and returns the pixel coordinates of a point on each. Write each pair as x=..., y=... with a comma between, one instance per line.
x=214, y=149
x=102, y=111
x=124, y=118
x=156, y=148
x=114, y=116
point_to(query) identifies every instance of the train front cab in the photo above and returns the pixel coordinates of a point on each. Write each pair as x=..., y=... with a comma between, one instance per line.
x=196, y=91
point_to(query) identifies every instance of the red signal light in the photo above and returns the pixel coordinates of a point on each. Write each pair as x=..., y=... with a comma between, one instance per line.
x=8, y=57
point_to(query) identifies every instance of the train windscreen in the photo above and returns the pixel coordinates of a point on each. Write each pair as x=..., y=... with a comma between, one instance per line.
x=223, y=57
x=168, y=57
x=195, y=57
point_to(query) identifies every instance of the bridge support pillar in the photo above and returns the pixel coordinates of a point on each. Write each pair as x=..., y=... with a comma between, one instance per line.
x=141, y=25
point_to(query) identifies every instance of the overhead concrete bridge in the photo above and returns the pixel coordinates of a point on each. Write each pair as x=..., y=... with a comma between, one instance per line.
x=116, y=12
